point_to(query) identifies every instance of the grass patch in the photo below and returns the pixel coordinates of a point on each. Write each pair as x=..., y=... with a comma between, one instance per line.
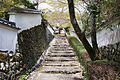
x=68, y=32
x=99, y=61
x=78, y=47
x=77, y=44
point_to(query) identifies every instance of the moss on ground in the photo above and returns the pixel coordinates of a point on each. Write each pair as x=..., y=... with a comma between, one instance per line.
x=78, y=47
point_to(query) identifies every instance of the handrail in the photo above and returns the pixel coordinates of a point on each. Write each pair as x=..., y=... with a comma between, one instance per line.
x=52, y=28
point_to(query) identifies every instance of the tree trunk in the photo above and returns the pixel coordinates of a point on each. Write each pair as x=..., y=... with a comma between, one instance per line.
x=93, y=36
x=78, y=30
x=87, y=46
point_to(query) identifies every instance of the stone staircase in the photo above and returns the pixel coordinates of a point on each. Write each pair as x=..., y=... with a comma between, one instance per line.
x=61, y=63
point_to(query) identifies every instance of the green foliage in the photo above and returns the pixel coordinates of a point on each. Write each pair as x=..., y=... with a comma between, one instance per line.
x=99, y=61
x=67, y=30
x=28, y=4
x=92, y=8
x=68, y=33
x=59, y=16
x=25, y=75
x=105, y=12
x=6, y=5
x=44, y=15
x=78, y=47
x=56, y=17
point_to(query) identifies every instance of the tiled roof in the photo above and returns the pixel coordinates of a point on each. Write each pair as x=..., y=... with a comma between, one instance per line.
x=8, y=23
x=25, y=10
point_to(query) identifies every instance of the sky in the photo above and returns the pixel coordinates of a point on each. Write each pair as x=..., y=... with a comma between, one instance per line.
x=43, y=5
x=47, y=6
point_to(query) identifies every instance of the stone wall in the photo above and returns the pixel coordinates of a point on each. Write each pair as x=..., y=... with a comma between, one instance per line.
x=32, y=43
x=111, y=52
x=10, y=65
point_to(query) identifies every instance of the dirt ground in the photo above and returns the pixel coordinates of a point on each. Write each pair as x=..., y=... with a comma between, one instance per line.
x=101, y=70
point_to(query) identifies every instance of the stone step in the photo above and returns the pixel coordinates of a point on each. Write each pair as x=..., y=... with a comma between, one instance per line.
x=61, y=54
x=62, y=49
x=61, y=63
x=66, y=63
x=67, y=48
x=47, y=76
x=68, y=51
x=61, y=45
x=61, y=38
x=61, y=69
x=57, y=40
x=61, y=58
x=63, y=41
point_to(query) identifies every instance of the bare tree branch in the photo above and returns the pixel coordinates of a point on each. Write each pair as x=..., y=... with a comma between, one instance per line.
x=61, y=1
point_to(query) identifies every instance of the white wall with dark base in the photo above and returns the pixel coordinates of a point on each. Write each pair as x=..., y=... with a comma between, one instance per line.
x=8, y=39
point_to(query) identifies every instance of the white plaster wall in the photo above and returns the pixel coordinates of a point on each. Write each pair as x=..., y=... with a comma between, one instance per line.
x=107, y=36
x=8, y=39
x=104, y=37
x=12, y=16
x=27, y=21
